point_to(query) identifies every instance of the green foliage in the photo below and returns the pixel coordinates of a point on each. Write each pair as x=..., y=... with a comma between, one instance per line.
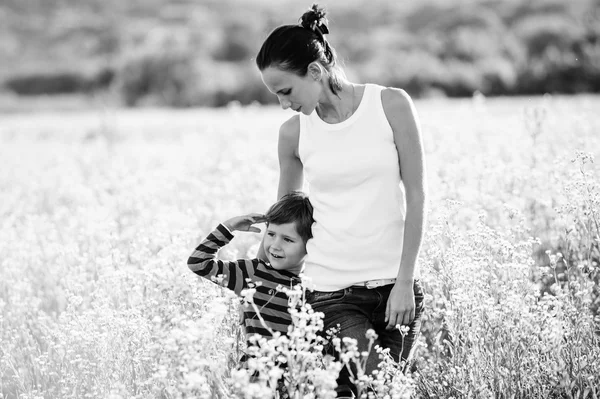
x=495, y=48
x=57, y=83
x=162, y=76
x=239, y=43
x=538, y=33
x=100, y=211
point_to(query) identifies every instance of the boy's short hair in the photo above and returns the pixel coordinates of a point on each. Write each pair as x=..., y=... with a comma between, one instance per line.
x=293, y=207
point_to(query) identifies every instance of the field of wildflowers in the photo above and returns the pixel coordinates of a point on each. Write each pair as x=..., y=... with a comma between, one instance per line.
x=100, y=210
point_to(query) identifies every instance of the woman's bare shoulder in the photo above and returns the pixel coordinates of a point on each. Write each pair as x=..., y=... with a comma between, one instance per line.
x=395, y=100
x=289, y=136
x=290, y=129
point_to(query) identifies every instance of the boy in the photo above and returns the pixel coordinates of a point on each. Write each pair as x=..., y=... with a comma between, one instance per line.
x=289, y=223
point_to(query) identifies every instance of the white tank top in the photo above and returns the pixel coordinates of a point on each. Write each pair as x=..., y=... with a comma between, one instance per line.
x=354, y=185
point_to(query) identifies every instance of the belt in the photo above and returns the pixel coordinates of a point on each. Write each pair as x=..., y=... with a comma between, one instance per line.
x=375, y=283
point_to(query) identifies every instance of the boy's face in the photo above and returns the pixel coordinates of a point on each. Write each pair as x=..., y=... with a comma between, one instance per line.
x=284, y=247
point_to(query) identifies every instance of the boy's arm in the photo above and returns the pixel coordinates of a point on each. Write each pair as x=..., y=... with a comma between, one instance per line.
x=203, y=260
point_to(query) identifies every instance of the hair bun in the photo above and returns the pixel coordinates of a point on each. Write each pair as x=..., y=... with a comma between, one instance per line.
x=315, y=19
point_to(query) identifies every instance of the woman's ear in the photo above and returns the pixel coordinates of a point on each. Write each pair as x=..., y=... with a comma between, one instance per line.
x=315, y=70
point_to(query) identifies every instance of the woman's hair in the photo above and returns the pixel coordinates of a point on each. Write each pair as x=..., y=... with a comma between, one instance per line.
x=294, y=207
x=293, y=47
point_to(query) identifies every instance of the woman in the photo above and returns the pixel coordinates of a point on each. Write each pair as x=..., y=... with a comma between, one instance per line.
x=360, y=149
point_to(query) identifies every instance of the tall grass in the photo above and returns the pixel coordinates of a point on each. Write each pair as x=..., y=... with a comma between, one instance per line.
x=100, y=211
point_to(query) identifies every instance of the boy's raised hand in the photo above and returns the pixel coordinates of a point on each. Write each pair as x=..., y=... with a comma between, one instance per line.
x=245, y=222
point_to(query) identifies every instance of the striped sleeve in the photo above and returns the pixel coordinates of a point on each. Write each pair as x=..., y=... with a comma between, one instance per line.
x=204, y=262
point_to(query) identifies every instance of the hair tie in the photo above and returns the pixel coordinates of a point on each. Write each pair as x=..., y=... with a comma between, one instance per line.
x=319, y=25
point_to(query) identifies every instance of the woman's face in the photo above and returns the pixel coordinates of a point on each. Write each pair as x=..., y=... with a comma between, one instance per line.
x=300, y=93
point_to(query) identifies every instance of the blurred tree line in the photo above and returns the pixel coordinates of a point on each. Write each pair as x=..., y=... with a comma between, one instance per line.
x=201, y=52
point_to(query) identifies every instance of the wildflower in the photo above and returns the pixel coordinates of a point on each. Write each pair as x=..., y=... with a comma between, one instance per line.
x=219, y=279
x=371, y=335
x=248, y=295
x=403, y=329
x=275, y=373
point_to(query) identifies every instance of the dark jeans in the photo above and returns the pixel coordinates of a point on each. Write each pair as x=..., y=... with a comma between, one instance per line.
x=354, y=310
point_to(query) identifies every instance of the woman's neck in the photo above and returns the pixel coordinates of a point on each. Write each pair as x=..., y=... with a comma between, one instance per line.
x=336, y=108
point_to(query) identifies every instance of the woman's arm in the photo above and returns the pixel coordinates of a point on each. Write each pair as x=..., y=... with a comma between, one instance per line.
x=403, y=119
x=291, y=174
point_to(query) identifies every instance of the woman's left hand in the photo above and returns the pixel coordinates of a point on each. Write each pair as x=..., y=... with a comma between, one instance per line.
x=400, y=309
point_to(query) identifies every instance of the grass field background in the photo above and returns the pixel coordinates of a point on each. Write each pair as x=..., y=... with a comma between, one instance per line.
x=101, y=208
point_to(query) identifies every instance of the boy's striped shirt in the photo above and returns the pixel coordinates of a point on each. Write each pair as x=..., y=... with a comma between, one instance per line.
x=273, y=304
